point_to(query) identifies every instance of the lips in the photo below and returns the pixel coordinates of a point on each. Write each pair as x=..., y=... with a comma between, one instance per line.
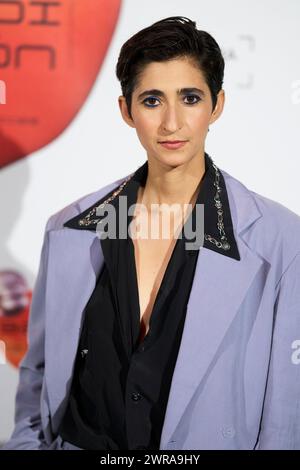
x=171, y=141
x=173, y=145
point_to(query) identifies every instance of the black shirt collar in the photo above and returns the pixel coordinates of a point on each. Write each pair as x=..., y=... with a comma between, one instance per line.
x=206, y=196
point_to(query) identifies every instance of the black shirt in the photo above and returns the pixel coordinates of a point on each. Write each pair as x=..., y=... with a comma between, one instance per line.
x=120, y=386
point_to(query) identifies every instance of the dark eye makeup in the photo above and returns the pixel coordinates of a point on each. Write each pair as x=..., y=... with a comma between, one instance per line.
x=154, y=98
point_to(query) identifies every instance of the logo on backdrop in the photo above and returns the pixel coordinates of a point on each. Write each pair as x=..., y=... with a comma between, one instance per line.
x=15, y=298
x=50, y=56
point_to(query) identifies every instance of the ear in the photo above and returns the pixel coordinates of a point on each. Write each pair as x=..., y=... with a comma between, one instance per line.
x=124, y=111
x=218, y=107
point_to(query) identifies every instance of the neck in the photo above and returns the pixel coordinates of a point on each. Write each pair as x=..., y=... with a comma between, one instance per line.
x=172, y=185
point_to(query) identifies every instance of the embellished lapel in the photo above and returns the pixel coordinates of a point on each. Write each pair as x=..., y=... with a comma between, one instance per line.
x=212, y=194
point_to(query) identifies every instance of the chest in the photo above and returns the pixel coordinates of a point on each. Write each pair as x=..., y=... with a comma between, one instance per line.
x=151, y=261
x=152, y=253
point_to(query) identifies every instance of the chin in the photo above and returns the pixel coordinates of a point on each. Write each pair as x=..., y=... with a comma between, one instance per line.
x=173, y=158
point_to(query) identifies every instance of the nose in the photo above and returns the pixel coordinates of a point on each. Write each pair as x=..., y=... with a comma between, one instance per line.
x=171, y=119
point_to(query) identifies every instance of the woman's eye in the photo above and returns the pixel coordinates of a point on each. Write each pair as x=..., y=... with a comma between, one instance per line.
x=149, y=99
x=193, y=96
x=152, y=98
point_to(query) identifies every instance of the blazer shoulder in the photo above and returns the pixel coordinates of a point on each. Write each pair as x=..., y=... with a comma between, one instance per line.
x=57, y=220
x=283, y=226
x=277, y=231
x=277, y=211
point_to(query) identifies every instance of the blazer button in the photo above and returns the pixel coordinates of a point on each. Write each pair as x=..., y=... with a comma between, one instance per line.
x=228, y=432
x=136, y=396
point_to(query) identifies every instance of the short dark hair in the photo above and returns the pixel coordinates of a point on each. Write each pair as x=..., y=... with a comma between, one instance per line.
x=170, y=38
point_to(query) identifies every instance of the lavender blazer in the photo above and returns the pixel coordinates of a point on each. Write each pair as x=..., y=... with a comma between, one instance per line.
x=236, y=383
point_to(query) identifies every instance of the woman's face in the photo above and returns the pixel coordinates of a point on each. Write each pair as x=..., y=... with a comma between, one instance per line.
x=169, y=114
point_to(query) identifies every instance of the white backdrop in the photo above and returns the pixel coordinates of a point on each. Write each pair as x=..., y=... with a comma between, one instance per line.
x=256, y=139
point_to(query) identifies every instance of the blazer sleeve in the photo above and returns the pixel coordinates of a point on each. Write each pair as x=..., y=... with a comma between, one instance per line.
x=27, y=433
x=280, y=425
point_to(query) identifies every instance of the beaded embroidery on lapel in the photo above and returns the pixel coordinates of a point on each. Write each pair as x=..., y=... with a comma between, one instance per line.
x=222, y=243
x=86, y=221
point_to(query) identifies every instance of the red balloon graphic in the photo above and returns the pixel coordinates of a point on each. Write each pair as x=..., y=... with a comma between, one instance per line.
x=50, y=56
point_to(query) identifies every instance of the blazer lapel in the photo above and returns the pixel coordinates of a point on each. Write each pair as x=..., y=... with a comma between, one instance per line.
x=75, y=259
x=219, y=287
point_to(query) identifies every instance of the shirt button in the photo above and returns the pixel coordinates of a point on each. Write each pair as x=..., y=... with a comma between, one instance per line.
x=83, y=352
x=136, y=396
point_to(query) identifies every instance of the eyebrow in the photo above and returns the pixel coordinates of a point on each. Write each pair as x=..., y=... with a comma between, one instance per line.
x=181, y=91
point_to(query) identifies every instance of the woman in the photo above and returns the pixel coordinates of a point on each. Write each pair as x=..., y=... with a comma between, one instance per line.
x=163, y=342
